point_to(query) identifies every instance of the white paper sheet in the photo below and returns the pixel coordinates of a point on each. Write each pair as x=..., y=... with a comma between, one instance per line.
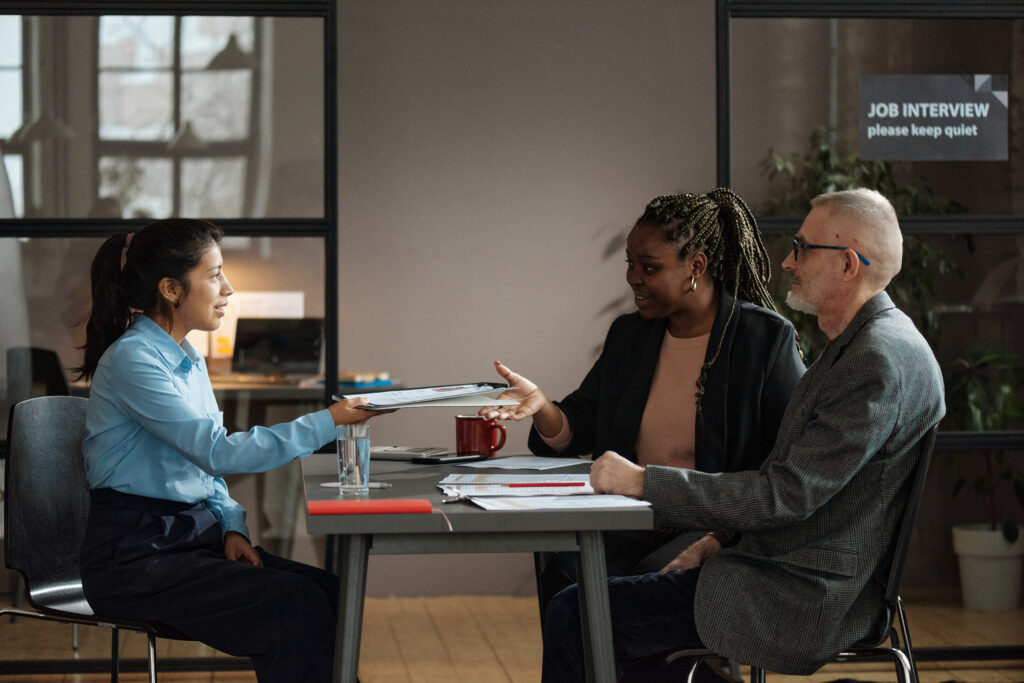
x=515, y=485
x=558, y=502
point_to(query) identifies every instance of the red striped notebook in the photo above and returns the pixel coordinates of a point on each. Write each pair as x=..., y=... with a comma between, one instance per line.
x=383, y=506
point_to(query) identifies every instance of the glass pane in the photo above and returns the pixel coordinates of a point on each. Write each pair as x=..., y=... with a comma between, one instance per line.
x=799, y=104
x=214, y=188
x=217, y=103
x=136, y=42
x=15, y=169
x=10, y=40
x=10, y=101
x=204, y=37
x=136, y=106
x=137, y=187
x=144, y=96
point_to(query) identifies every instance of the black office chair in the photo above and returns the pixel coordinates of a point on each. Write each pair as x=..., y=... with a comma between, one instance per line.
x=901, y=654
x=45, y=508
x=31, y=372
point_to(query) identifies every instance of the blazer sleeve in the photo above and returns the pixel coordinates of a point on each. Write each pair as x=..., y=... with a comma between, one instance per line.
x=854, y=412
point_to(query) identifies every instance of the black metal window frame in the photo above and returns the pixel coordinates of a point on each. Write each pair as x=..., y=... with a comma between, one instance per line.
x=325, y=227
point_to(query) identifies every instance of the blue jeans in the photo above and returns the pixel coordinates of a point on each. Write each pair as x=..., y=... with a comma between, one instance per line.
x=651, y=614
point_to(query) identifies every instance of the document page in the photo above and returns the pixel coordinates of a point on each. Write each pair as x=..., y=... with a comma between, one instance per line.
x=514, y=485
x=457, y=394
x=559, y=502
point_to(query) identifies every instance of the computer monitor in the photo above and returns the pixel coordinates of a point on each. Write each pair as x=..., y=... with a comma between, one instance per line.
x=278, y=346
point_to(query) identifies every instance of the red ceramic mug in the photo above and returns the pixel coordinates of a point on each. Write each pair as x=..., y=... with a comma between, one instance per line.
x=475, y=434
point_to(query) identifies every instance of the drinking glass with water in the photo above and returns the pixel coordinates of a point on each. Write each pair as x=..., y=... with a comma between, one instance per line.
x=354, y=458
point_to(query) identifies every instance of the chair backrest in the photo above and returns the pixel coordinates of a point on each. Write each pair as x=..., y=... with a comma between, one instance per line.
x=906, y=529
x=32, y=372
x=47, y=499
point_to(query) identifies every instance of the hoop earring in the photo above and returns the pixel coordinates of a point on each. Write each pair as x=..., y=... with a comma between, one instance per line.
x=693, y=283
x=177, y=302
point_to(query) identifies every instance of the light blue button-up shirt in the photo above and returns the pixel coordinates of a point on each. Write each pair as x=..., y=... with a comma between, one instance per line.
x=154, y=428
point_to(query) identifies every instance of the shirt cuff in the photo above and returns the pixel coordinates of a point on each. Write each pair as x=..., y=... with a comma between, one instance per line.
x=323, y=427
x=560, y=441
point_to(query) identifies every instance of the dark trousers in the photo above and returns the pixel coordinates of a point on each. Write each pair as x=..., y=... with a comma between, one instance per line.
x=163, y=561
x=652, y=614
x=627, y=553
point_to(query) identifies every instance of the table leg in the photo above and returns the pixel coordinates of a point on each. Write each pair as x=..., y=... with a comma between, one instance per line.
x=595, y=611
x=350, y=566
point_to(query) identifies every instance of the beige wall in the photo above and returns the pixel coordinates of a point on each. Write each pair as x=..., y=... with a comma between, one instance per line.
x=488, y=152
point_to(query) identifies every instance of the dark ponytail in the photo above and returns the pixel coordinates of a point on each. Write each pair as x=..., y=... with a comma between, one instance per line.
x=126, y=272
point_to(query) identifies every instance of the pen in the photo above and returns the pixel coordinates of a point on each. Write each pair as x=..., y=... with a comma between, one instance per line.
x=372, y=484
x=545, y=483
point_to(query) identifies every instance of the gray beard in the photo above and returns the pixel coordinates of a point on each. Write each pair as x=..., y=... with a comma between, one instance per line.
x=798, y=303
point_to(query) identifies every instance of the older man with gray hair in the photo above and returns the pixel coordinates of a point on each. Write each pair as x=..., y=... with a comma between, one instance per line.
x=812, y=528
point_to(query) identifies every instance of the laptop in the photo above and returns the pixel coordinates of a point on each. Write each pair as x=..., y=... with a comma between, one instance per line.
x=277, y=349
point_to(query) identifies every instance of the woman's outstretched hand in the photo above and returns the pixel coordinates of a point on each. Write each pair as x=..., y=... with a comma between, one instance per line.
x=346, y=411
x=531, y=398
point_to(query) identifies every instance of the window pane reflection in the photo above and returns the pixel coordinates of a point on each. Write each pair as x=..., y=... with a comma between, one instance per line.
x=217, y=103
x=132, y=42
x=204, y=37
x=136, y=106
x=142, y=186
x=212, y=187
x=10, y=101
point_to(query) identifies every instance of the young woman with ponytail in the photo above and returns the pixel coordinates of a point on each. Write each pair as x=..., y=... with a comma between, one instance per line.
x=164, y=541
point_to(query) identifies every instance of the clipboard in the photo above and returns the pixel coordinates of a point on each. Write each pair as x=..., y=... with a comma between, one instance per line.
x=469, y=395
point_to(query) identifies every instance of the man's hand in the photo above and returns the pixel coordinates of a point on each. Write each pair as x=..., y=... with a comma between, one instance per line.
x=694, y=556
x=238, y=548
x=611, y=473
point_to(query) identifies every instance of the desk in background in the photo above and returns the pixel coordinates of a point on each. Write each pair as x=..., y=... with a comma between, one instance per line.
x=474, y=530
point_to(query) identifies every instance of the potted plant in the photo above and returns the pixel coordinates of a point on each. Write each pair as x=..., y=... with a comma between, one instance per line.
x=981, y=395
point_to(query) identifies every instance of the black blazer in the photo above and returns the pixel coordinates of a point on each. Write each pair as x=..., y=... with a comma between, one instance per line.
x=746, y=390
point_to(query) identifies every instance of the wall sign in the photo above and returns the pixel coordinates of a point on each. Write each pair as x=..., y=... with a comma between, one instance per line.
x=934, y=117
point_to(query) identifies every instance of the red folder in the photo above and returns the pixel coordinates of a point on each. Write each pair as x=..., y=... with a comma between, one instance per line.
x=383, y=506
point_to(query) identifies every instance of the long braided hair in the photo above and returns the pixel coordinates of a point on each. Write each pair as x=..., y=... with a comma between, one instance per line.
x=721, y=225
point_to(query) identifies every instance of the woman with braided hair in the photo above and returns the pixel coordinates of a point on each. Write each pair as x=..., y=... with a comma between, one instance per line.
x=697, y=377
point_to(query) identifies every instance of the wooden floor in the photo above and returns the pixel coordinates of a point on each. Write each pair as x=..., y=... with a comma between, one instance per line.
x=495, y=639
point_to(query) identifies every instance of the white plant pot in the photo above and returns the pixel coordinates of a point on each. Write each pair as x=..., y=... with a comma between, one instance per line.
x=990, y=567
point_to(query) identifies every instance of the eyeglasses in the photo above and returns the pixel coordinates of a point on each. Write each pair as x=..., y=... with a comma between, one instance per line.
x=800, y=244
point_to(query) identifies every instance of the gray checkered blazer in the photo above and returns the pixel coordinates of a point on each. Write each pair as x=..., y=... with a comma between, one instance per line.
x=818, y=520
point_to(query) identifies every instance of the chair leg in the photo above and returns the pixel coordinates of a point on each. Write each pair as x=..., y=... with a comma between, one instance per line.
x=152, y=657
x=74, y=637
x=908, y=648
x=757, y=675
x=115, y=661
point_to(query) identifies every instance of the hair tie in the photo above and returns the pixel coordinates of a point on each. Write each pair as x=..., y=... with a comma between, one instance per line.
x=124, y=250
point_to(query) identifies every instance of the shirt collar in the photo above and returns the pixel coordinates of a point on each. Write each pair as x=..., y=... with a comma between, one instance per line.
x=184, y=355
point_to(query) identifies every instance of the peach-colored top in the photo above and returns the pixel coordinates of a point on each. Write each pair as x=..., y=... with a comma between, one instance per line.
x=667, y=428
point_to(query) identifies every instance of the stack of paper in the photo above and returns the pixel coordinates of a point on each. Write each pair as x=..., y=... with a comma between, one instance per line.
x=514, y=485
x=530, y=492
